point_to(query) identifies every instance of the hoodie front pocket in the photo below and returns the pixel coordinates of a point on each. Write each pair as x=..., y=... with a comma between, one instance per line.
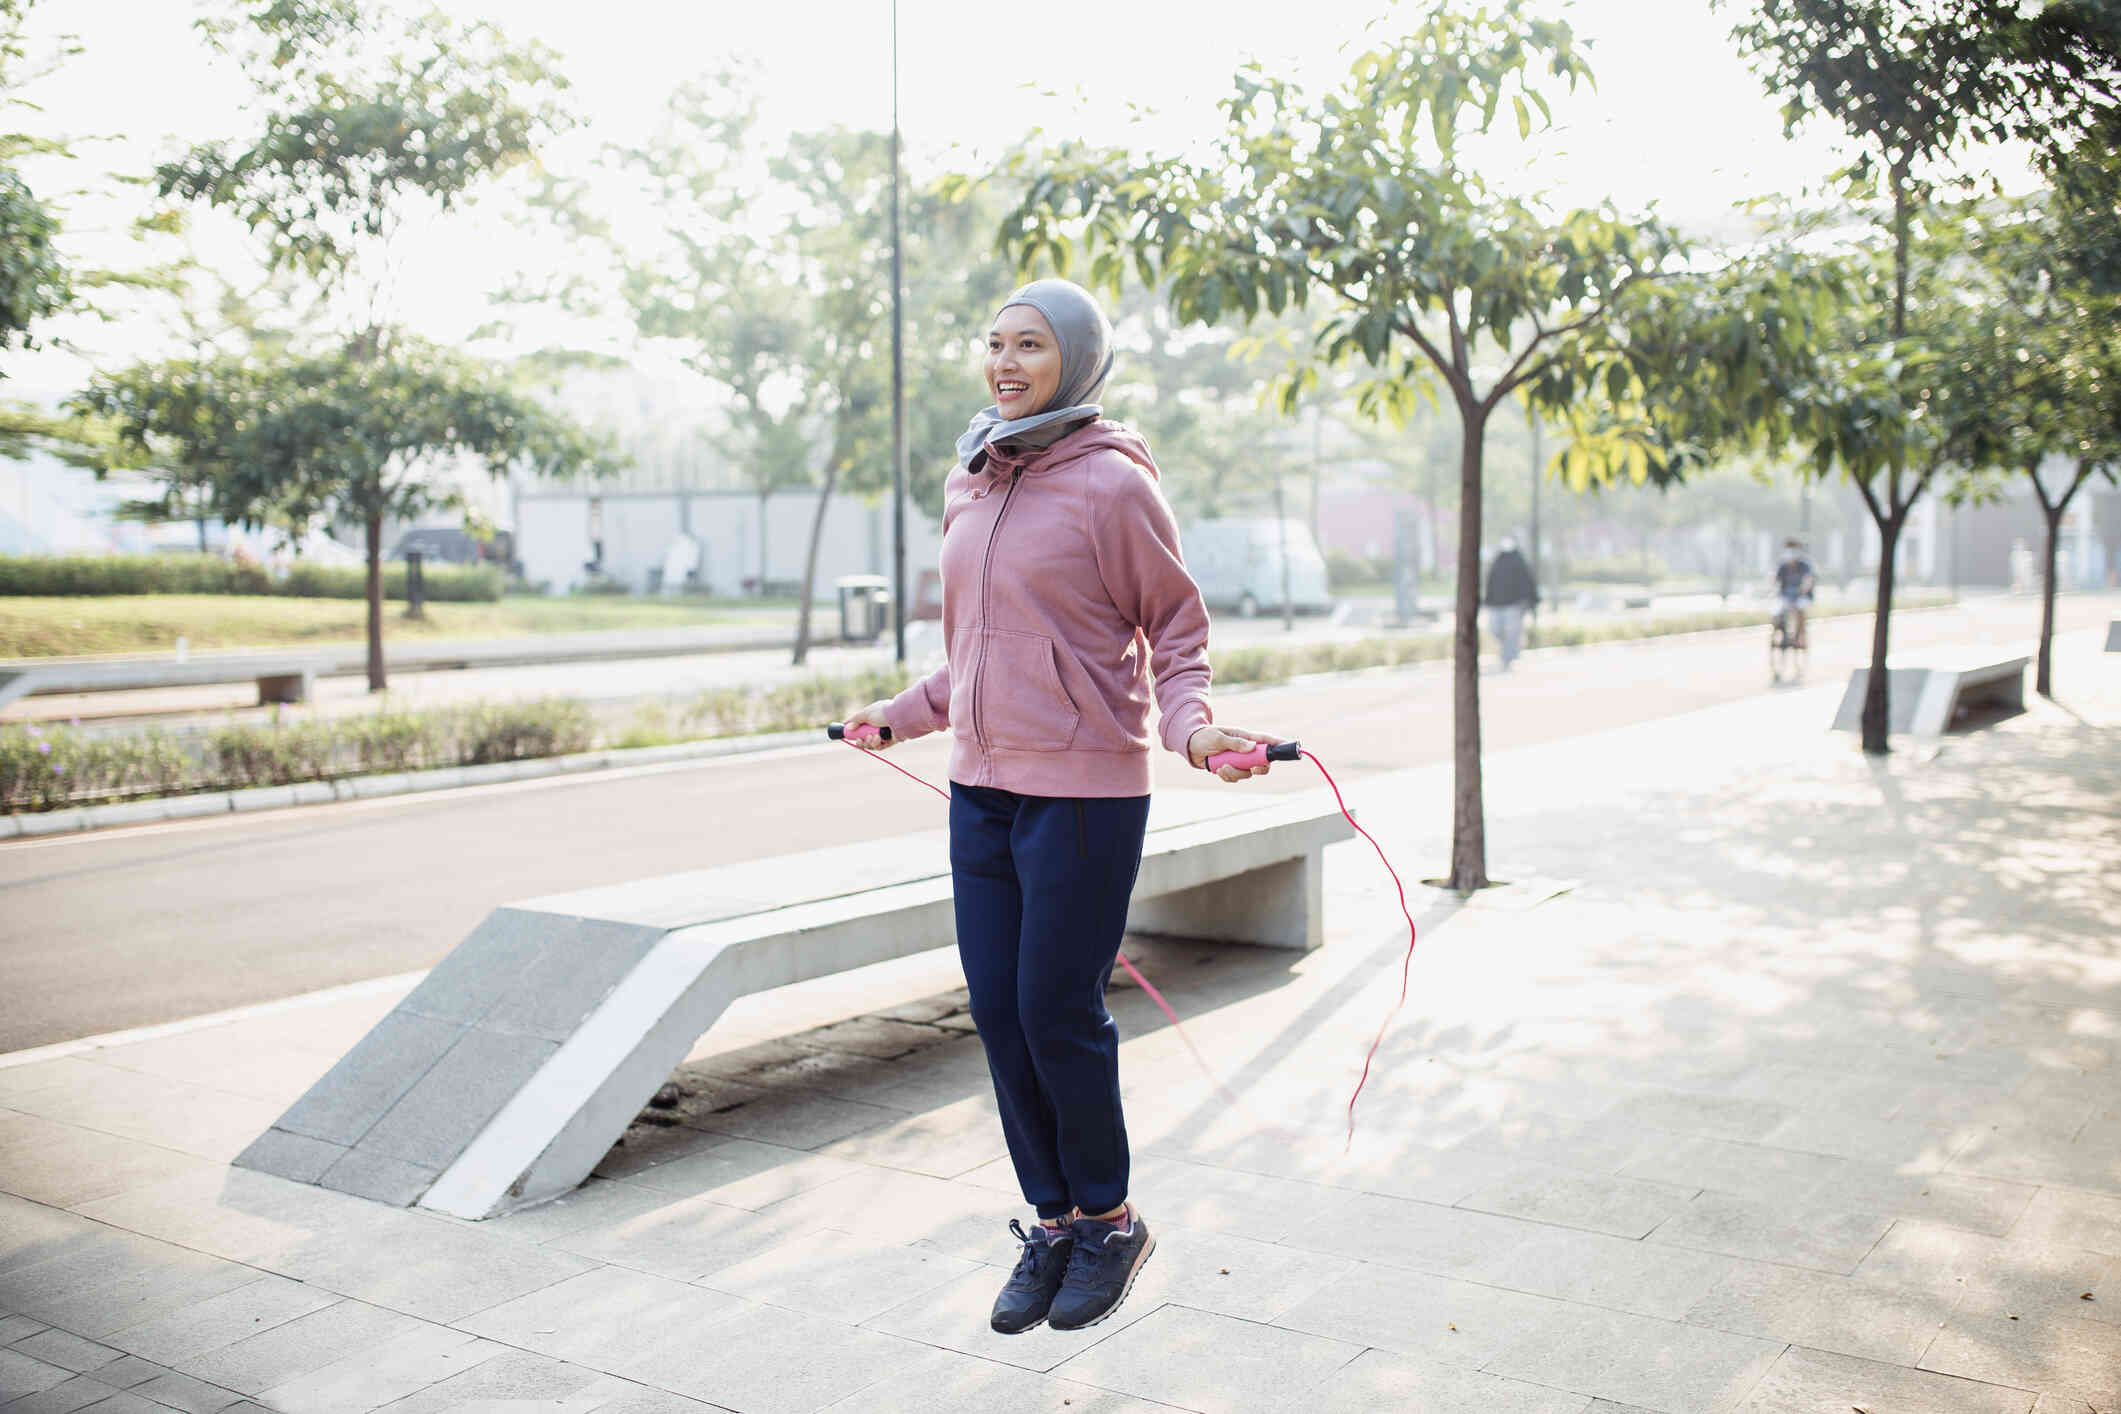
x=1022, y=705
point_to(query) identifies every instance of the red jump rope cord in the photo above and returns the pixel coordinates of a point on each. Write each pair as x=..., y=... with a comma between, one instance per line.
x=1406, y=968
x=1172, y=1016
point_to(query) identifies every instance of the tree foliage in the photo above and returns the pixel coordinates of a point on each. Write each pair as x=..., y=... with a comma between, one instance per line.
x=1364, y=199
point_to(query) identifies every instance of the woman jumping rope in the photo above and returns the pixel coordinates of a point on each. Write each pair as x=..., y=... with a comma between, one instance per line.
x=1064, y=598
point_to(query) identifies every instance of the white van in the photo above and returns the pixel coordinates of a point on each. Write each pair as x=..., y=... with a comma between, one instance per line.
x=1237, y=563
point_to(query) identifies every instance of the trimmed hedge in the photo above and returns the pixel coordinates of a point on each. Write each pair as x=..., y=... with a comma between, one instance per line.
x=84, y=576
x=47, y=768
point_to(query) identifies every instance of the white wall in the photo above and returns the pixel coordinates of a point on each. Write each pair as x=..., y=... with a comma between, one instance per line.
x=553, y=538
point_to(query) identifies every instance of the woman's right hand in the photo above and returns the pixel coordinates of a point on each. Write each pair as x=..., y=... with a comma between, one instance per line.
x=870, y=716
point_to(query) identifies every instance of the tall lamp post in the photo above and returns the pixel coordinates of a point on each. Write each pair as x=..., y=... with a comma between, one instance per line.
x=898, y=376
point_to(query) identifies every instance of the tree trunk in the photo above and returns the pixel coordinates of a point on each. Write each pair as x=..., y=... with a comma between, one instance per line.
x=376, y=682
x=1877, y=705
x=1469, y=844
x=763, y=496
x=817, y=531
x=2044, y=674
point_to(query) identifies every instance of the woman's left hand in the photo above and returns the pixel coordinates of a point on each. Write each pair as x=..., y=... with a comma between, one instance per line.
x=1211, y=740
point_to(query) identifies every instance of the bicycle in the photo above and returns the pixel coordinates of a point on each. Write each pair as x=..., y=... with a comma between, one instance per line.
x=1787, y=655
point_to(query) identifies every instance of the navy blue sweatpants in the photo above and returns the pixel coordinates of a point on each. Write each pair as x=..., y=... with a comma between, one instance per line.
x=1041, y=888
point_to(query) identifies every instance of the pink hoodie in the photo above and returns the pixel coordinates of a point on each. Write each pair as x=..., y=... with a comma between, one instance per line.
x=1063, y=591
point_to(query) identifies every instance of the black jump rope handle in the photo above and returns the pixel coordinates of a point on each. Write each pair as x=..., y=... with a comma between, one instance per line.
x=839, y=731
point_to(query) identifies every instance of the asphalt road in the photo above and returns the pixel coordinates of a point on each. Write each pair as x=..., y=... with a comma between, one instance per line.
x=128, y=928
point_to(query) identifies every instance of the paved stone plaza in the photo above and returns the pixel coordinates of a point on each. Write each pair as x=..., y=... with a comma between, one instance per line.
x=1801, y=1099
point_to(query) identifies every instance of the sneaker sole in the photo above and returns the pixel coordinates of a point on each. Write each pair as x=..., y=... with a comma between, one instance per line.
x=1148, y=1251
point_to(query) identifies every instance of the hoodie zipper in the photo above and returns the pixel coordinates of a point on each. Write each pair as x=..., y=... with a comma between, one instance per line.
x=979, y=737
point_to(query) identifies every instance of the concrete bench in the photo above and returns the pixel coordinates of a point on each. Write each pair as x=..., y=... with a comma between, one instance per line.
x=507, y=1074
x=1925, y=701
x=281, y=677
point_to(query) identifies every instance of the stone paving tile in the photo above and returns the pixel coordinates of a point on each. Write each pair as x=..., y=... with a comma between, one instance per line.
x=1621, y=1207
x=2091, y=1161
x=386, y=1372
x=958, y=1218
x=2059, y=1216
x=514, y=1379
x=797, y=1119
x=1435, y=1318
x=941, y=1143
x=1638, y=1360
x=1182, y=1194
x=1231, y=1275
x=1645, y=1278
x=743, y=1173
x=1985, y=1205
x=1603, y=1144
x=63, y=1398
x=295, y=1348
x=1422, y=1236
x=103, y=1282
x=841, y=1276
x=66, y=1350
x=2050, y=1355
x=1826, y=1239
x=66, y=1166
x=1736, y=1168
x=14, y=1328
x=1813, y=1381
x=182, y=1392
x=126, y=1402
x=605, y=1318
x=1994, y=1274
x=686, y=1239
x=767, y=1361
x=1823, y=1312
x=954, y=1317
x=2061, y=1404
x=127, y=1371
x=20, y=1375
x=1209, y=1363
x=1906, y=1145
x=221, y=1319
x=1682, y=1112
x=1377, y=1380
x=597, y=1203
x=1424, y=1174
x=154, y=1109
x=944, y=1382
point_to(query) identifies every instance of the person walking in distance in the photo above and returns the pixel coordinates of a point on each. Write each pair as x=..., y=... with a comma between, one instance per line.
x=1511, y=593
x=1066, y=601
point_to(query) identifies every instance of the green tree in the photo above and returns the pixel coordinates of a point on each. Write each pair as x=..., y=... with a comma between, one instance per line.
x=1914, y=83
x=364, y=120
x=773, y=281
x=1369, y=200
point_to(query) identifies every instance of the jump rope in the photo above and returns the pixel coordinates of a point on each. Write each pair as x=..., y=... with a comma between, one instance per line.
x=1259, y=755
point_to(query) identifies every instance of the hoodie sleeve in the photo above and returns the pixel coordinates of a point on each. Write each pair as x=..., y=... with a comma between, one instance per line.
x=921, y=708
x=1138, y=558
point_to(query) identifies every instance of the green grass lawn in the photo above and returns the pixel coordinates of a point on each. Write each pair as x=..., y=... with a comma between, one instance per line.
x=39, y=628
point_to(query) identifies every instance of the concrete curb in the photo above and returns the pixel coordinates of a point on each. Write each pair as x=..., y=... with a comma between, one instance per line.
x=187, y=807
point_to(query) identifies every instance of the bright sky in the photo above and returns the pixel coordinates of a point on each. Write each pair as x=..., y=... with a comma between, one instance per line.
x=1677, y=119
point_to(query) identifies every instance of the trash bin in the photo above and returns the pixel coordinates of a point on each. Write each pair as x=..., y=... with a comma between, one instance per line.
x=864, y=601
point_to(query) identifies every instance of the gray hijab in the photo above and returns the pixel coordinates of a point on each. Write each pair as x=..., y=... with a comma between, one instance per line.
x=1086, y=359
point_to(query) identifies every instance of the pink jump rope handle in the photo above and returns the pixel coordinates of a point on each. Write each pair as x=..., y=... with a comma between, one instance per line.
x=860, y=731
x=1259, y=755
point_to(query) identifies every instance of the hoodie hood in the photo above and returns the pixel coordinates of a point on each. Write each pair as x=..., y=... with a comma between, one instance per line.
x=1085, y=440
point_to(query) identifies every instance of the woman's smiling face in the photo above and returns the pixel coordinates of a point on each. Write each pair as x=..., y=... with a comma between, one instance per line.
x=1023, y=362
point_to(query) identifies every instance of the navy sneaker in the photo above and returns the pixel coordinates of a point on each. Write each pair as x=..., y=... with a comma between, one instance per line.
x=1101, y=1270
x=1029, y=1293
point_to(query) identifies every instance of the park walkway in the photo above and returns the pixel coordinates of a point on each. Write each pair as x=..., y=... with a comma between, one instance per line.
x=1800, y=1096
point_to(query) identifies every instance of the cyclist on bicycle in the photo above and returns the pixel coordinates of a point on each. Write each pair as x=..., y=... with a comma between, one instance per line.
x=1793, y=584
